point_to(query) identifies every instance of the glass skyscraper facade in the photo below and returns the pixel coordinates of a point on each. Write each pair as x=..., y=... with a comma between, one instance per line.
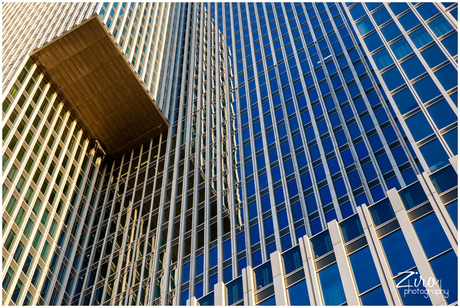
x=310, y=159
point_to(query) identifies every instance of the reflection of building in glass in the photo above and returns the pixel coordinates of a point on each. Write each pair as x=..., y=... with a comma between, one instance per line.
x=229, y=153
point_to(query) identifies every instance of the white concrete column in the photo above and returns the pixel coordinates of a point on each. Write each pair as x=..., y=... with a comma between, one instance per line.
x=454, y=162
x=440, y=210
x=385, y=276
x=310, y=273
x=220, y=294
x=414, y=245
x=351, y=292
x=248, y=287
x=192, y=302
x=278, y=279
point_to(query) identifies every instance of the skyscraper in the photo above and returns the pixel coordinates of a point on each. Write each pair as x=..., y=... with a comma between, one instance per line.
x=229, y=153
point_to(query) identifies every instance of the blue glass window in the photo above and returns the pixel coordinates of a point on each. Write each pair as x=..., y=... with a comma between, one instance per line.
x=431, y=235
x=351, y=228
x=398, y=7
x=451, y=138
x=282, y=219
x=390, y=31
x=419, y=126
x=420, y=37
x=263, y=275
x=440, y=26
x=382, y=59
x=298, y=294
x=340, y=188
x=185, y=272
x=213, y=257
x=413, y=196
x=375, y=297
x=409, y=20
x=228, y=276
x=397, y=252
x=365, y=26
x=199, y=265
x=442, y=114
x=401, y=48
x=426, y=89
x=288, y=167
x=384, y=163
x=447, y=76
x=321, y=244
x=393, y=78
x=364, y=270
x=381, y=16
x=357, y=11
x=443, y=268
x=382, y=212
x=427, y=10
x=316, y=226
x=331, y=286
x=434, y=155
x=227, y=248
x=451, y=44
x=444, y=179
x=354, y=179
x=319, y=172
x=268, y=226
x=413, y=67
x=405, y=101
x=235, y=291
x=285, y=243
x=433, y=56
x=292, y=260
x=311, y=203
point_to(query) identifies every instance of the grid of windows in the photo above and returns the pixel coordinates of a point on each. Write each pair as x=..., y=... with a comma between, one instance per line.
x=414, y=48
x=285, y=118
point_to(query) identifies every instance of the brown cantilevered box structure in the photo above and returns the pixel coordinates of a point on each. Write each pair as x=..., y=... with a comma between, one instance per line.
x=100, y=88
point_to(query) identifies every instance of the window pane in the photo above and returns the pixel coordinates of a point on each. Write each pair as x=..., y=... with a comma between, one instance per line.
x=419, y=126
x=393, y=78
x=401, y=48
x=447, y=76
x=426, y=89
x=235, y=291
x=364, y=270
x=351, y=228
x=433, y=56
x=292, y=260
x=413, y=67
x=431, y=235
x=409, y=20
x=365, y=26
x=440, y=26
x=374, y=298
x=434, y=155
x=405, y=101
x=298, y=294
x=413, y=196
x=382, y=212
x=397, y=252
x=420, y=37
x=382, y=59
x=442, y=114
x=263, y=275
x=331, y=285
x=444, y=268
